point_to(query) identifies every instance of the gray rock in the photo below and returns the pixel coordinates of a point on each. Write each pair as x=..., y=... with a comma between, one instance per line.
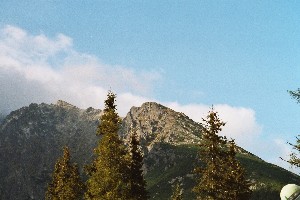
x=31, y=140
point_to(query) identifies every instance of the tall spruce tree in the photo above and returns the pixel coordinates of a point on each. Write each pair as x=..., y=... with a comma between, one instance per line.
x=294, y=159
x=211, y=183
x=137, y=180
x=177, y=192
x=109, y=174
x=220, y=174
x=66, y=182
x=238, y=186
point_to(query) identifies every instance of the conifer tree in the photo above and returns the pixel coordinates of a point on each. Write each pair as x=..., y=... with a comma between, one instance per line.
x=66, y=182
x=211, y=184
x=221, y=174
x=294, y=159
x=109, y=174
x=238, y=186
x=110, y=120
x=137, y=181
x=177, y=192
x=295, y=94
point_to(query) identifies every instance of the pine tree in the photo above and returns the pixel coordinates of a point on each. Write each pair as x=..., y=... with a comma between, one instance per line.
x=110, y=120
x=109, y=174
x=238, y=186
x=138, y=183
x=295, y=94
x=211, y=184
x=294, y=159
x=66, y=182
x=177, y=192
x=221, y=176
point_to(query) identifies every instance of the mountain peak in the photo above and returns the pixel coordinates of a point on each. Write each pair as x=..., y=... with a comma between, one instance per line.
x=64, y=104
x=31, y=139
x=155, y=123
x=152, y=104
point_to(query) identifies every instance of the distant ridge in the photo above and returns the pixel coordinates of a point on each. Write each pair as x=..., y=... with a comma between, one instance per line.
x=64, y=104
x=32, y=137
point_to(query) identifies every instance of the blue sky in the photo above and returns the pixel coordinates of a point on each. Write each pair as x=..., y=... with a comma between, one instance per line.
x=241, y=56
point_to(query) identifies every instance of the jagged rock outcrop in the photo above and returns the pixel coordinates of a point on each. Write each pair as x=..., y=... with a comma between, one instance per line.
x=155, y=123
x=31, y=139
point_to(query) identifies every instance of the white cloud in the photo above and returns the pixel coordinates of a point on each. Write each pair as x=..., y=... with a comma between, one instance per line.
x=277, y=151
x=241, y=123
x=37, y=68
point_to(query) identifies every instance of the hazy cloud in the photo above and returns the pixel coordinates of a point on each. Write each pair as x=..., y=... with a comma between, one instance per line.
x=283, y=150
x=36, y=68
x=241, y=123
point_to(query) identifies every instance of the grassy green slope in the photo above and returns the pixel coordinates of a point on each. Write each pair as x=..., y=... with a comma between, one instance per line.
x=159, y=179
x=267, y=178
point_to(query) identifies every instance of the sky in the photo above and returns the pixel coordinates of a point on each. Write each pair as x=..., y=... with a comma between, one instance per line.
x=239, y=56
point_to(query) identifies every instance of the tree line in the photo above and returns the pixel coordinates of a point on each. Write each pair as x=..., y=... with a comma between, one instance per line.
x=116, y=171
x=294, y=159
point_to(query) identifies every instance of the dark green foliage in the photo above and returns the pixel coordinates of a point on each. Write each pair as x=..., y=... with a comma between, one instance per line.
x=294, y=157
x=238, y=187
x=109, y=178
x=109, y=174
x=158, y=179
x=266, y=192
x=177, y=192
x=295, y=94
x=259, y=171
x=221, y=175
x=110, y=121
x=137, y=181
x=66, y=183
x=211, y=184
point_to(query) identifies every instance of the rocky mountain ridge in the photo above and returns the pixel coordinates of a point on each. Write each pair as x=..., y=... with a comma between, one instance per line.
x=155, y=123
x=32, y=137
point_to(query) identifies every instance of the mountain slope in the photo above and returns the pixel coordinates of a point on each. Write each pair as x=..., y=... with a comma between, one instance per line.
x=31, y=139
x=2, y=117
x=155, y=123
x=169, y=141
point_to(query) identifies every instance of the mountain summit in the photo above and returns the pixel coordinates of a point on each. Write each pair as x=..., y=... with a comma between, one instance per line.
x=156, y=123
x=32, y=138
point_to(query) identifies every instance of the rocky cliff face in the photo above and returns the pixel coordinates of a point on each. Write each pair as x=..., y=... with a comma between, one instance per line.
x=155, y=123
x=31, y=139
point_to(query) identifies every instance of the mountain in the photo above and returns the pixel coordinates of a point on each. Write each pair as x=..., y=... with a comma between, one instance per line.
x=31, y=139
x=2, y=117
x=155, y=123
x=169, y=141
